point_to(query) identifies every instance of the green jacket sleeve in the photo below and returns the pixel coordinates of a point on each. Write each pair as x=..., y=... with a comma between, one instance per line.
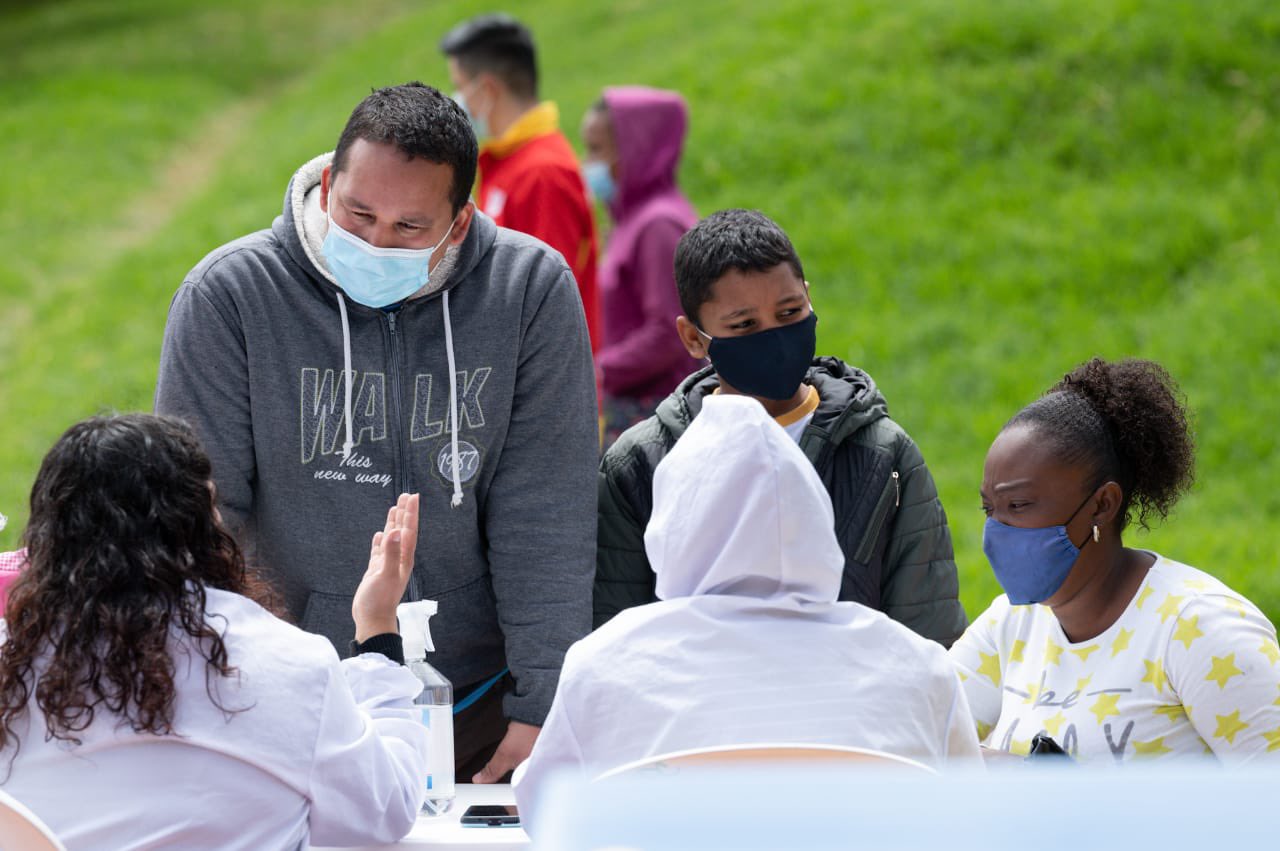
x=623, y=576
x=920, y=588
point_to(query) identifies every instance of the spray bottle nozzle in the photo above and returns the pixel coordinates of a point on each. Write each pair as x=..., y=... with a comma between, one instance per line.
x=415, y=628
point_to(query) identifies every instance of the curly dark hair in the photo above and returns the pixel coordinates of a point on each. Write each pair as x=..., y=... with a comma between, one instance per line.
x=122, y=542
x=1125, y=421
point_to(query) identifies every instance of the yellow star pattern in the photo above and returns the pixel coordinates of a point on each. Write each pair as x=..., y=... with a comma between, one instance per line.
x=1105, y=705
x=963, y=676
x=1121, y=642
x=1052, y=652
x=1229, y=726
x=1155, y=747
x=1155, y=673
x=1273, y=739
x=1033, y=692
x=1083, y=682
x=1223, y=669
x=1142, y=598
x=1054, y=723
x=1236, y=606
x=1084, y=652
x=1015, y=654
x=1188, y=630
x=1277, y=702
x=984, y=730
x=1196, y=584
x=990, y=667
x=1271, y=650
x=1169, y=607
x=1173, y=710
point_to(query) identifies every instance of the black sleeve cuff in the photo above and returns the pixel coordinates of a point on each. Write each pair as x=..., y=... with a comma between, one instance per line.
x=389, y=644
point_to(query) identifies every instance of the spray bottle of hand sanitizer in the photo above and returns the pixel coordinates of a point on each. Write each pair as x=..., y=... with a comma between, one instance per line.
x=435, y=702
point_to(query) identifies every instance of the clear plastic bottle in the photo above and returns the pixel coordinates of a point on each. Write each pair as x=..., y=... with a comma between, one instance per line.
x=435, y=702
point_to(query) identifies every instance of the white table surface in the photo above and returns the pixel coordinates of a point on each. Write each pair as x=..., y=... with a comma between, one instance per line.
x=444, y=833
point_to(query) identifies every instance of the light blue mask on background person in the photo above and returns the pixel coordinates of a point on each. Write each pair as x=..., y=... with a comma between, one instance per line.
x=376, y=277
x=479, y=126
x=600, y=181
x=1030, y=564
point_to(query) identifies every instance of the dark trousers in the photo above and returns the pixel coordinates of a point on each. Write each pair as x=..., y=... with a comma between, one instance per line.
x=478, y=729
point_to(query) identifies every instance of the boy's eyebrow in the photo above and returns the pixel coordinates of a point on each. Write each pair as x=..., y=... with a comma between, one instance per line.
x=1008, y=486
x=792, y=297
x=741, y=311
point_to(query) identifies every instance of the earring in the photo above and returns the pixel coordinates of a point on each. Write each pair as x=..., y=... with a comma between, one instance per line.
x=1096, y=537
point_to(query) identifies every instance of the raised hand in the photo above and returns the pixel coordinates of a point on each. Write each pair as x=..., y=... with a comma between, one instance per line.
x=390, y=564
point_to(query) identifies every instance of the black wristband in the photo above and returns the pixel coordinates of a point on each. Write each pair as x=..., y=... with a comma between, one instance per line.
x=389, y=644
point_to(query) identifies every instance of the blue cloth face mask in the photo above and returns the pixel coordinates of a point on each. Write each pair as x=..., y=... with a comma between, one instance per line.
x=600, y=181
x=479, y=126
x=1030, y=564
x=377, y=277
x=768, y=364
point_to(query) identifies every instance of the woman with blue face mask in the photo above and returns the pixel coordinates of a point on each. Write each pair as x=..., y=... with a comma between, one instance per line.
x=1115, y=653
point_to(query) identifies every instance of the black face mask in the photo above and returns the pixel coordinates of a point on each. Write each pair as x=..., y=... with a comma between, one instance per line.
x=769, y=364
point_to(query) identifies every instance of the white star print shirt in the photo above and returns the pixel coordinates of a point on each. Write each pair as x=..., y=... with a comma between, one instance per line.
x=1190, y=668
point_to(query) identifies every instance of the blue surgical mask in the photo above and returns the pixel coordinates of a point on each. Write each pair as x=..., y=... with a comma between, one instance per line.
x=377, y=277
x=479, y=126
x=600, y=181
x=768, y=364
x=1030, y=564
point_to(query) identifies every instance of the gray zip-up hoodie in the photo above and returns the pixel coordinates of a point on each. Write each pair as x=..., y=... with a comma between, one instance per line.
x=253, y=357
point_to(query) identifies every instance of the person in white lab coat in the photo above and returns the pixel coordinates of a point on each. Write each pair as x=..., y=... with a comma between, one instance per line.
x=748, y=644
x=147, y=700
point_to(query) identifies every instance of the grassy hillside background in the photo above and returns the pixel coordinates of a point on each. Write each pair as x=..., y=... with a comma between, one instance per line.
x=984, y=194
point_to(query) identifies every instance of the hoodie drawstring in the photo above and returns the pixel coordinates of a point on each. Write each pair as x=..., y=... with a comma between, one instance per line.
x=453, y=393
x=347, y=376
x=453, y=405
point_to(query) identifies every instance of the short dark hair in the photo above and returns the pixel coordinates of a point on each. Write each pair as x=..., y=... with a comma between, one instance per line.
x=745, y=240
x=421, y=122
x=1121, y=421
x=496, y=44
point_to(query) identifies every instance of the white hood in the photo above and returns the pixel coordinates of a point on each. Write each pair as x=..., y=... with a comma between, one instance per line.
x=738, y=510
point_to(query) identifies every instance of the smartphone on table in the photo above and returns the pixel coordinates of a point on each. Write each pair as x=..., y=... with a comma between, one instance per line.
x=491, y=815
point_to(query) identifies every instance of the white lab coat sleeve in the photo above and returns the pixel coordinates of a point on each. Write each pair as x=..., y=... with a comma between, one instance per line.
x=556, y=754
x=368, y=776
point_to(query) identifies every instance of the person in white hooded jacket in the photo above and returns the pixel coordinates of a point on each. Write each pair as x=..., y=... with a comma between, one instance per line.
x=747, y=644
x=147, y=700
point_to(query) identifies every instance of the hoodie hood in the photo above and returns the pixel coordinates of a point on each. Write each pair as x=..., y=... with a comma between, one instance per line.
x=738, y=510
x=849, y=401
x=649, y=126
x=303, y=226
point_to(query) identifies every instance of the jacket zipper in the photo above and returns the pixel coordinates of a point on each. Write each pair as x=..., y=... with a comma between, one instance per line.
x=872, y=533
x=401, y=467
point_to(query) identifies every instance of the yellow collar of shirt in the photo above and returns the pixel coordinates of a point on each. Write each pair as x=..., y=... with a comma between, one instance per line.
x=539, y=121
x=799, y=412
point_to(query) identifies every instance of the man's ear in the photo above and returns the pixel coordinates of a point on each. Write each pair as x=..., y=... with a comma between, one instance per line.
x=324, y=188
x=462, y=224
x=694, y=342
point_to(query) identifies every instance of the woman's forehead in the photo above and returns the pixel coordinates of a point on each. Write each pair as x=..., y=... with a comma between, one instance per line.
x=1022, y=455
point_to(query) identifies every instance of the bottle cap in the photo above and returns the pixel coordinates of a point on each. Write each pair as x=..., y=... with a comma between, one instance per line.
x=415, y=628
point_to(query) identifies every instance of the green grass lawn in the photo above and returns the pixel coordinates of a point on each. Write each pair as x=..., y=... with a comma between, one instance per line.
x=984, y=194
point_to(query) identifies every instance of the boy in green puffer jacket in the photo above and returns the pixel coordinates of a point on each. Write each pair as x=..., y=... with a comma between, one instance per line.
x=746, y=307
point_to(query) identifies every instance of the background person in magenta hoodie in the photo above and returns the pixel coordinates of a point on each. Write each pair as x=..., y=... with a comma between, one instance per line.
x=633, y=137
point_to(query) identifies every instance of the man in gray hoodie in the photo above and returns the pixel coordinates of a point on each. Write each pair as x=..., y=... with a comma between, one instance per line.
x=384, y=337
